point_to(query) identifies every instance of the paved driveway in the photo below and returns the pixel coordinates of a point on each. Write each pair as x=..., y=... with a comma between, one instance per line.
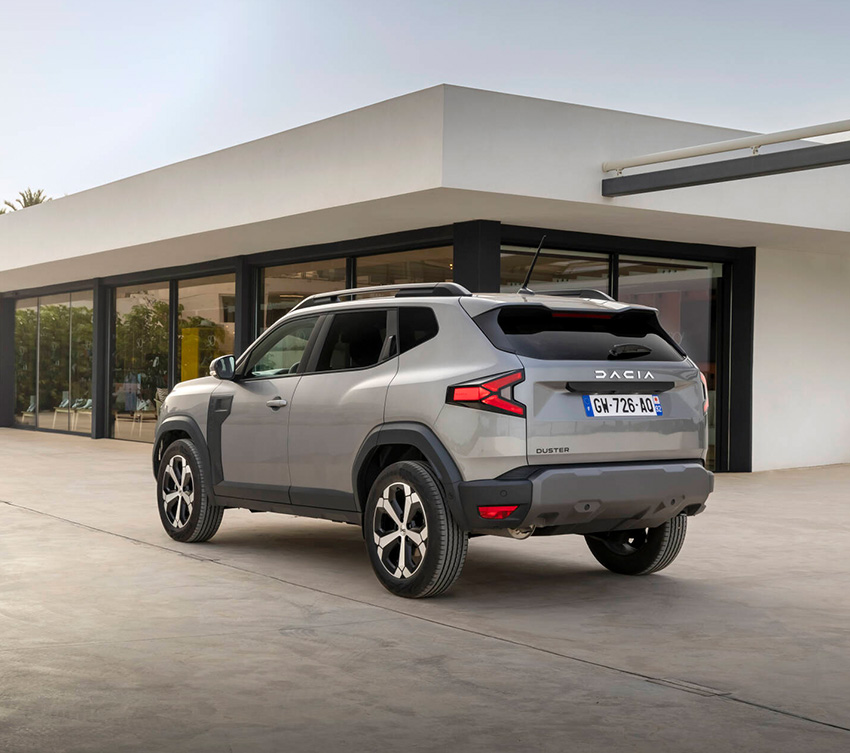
x=275, y=636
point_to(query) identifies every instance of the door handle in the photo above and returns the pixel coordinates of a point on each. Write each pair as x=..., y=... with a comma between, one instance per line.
x=276, y=403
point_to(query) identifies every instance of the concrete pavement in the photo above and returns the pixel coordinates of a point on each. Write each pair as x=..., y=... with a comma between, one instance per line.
x=276, y=635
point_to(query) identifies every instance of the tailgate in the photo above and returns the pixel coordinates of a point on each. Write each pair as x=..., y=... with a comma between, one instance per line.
x=562, y=428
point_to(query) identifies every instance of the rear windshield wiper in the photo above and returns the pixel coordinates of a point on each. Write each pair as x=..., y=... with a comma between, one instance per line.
x=628, y=350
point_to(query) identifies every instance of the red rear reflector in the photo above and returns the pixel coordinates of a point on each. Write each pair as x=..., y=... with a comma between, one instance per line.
x=496, y=512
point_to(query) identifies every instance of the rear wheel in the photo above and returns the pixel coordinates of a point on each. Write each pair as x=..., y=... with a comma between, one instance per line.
x=185, y=509
x=415, y=546
x=640, y=551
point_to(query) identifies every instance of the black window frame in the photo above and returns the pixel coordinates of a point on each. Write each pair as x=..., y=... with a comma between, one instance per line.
x=241, y=372
x=389, y=349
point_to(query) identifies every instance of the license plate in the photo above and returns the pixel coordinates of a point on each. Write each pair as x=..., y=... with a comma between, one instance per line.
x=604, y=406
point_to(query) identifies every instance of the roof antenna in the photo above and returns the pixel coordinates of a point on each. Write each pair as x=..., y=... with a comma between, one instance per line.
x=525, y=290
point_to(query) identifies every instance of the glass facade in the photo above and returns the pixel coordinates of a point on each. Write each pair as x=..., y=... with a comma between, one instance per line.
x=554, y=270
x=26, y=361
x=82, y=353
x=140, y=368
x=206, y=323
x=287, y=285
x=53, y=362
x=686, y=295
x=421, y=265
x=54, y=343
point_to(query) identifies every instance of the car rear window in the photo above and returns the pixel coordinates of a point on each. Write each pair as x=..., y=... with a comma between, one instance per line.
x=539, y=332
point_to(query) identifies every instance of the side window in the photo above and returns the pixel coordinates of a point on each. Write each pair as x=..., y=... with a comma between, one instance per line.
x=416, y=325
x=355, y=340
x=281, y=352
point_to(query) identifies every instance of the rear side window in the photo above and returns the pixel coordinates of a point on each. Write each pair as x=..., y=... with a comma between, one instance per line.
x=539, y=332
x=355, y=341
x=416, y=325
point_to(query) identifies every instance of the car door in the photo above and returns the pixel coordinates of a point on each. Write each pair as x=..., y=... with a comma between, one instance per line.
x=338, y=402
x=253, y=435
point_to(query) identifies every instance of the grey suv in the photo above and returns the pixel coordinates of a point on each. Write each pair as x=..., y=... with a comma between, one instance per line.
x=427, y=414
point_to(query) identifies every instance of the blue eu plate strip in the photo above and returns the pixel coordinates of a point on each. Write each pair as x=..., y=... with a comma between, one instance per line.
x=588, y=408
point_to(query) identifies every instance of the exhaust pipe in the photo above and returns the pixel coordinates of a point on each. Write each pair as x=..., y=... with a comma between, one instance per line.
x=513, y=533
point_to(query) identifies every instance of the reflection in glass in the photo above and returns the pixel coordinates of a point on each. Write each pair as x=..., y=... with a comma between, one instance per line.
x=26, y=361
x=53, y=362
x=554, y=270
x=686, y=296
x=82, y=344
x=206, y=323
x=421, y=265
x=285, y=286
x=140, y=369
x=54, y=393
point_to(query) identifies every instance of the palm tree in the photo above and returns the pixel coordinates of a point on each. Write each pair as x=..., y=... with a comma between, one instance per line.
x=27, y=198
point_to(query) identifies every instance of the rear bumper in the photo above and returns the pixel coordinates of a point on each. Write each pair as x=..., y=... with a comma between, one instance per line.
x=591, y=498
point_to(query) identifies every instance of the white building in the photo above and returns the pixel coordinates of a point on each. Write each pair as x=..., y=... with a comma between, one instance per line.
x=111, y=295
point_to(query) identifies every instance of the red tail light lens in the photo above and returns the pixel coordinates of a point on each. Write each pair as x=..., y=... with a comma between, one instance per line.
x=704, y=392
x=496, y=512
x=494, y=394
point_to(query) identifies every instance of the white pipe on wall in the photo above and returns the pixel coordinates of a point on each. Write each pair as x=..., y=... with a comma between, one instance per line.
x=747, y=142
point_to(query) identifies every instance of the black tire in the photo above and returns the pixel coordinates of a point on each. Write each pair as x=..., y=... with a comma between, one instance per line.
x=431, y=563
x=641, y=551
x=190, y=517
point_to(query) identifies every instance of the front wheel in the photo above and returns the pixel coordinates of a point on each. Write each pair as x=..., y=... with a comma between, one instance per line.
x=185, y=509
x=640, y=551
x=415, y=546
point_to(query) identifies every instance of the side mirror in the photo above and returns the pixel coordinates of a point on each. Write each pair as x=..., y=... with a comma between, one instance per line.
x=223, y=367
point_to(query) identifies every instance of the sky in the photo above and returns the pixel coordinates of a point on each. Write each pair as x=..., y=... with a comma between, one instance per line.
x=97, y=90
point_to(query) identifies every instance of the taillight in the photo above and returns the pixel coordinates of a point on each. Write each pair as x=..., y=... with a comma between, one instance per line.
x=704, y=392
x=493, y=393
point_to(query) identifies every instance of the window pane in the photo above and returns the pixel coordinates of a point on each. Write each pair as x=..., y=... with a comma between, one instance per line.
x=555, y=270
x=281, y=352
x=421, y=265
x=416, y=325
x=54, y=391
x=287, y=285
x=206, y=323
x=686, y=296
x=354, y=341
x=82, y=313
x=26, y=358
x=140, y=376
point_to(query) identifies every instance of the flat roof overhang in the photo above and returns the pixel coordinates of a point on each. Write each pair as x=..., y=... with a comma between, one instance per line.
x=433, y=208
x=432, y=158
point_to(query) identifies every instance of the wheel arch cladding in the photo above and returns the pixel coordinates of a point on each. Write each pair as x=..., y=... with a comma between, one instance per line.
x=174, y=428
x=391, y=443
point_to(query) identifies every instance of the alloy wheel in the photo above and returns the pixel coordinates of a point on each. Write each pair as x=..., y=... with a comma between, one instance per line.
x=400, y=530
x=178, y=492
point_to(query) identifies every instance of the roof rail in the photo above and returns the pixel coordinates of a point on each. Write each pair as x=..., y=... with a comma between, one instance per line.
x=583, y=293
x=402, y=291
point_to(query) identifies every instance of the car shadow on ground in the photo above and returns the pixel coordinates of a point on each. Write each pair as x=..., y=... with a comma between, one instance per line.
x=497, y=570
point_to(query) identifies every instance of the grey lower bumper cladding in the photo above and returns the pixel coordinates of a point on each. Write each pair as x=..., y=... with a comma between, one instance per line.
x=617, y=497
x=592, y=499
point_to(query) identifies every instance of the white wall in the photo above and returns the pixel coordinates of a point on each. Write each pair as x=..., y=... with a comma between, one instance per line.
x=801, y=366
